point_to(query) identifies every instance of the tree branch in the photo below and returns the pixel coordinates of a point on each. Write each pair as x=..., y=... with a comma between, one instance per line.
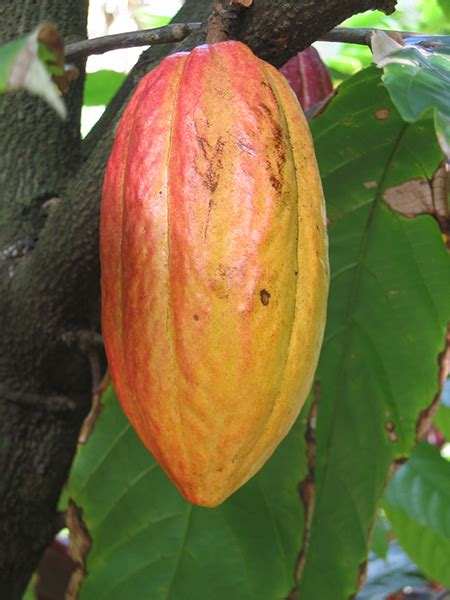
x=359, y=35
x=191, y=11
x=168, y=34
x=177, y=32
x=39, y=416
x=276, y=32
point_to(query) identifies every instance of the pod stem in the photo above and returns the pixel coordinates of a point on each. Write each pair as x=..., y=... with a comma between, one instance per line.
x=223, y=19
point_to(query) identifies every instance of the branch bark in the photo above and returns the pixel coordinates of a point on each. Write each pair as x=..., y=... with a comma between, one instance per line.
x=360, y=35
x=50, y=287
x=275, y=33
x=179, y=31
x=169, y=34
x=38, y=421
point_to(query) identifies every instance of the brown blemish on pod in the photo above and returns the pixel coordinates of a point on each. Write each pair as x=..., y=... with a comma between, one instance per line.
x=265, y=297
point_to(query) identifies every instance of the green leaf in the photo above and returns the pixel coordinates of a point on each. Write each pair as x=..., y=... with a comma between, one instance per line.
x=338, y=76
x=390, y=575
x=8, y=54
x=418, y=79
x=29, y=592
x=28, y=63
x=442, y=417
x=380, y=539
x=101, y=86
x=387, y=316
x=150, y=543
x=442, y=126
x=445, y=7
x=372, y=18
x=349, y=59
x=420, y=15
x=157, y=15
x=417, y=502
x=49, y=59
x=147, y=20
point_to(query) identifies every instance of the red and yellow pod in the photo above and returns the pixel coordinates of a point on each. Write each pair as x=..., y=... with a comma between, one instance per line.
x=214, y=265
x=309, y=77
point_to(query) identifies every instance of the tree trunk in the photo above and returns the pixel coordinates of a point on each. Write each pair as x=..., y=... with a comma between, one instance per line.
x=38, y=155
x=49, y=272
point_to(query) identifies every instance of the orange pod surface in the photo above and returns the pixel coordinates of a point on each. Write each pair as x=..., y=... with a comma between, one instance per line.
x=214, y=265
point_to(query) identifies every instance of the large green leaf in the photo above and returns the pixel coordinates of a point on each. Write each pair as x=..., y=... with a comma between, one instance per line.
x=417, y=502
x=150, y=543
x=386, y=322
x=418, y=78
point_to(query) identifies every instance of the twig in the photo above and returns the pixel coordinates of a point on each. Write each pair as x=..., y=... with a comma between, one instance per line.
x=357, y=35
x=98, y=389
x=90, y=344
x=94, y=364
x=219, y=25
x=162, y=35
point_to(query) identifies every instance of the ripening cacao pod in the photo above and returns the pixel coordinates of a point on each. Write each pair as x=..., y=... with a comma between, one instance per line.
x=308, y=76
x=214, y=265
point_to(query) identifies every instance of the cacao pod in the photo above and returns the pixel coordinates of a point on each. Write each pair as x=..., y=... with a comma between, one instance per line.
x=308, y=76
x=214, y=265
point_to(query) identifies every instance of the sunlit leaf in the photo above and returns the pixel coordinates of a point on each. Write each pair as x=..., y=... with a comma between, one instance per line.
x=147, y=20
x=418, y=79
x=156, y=14
x=101, y=86
x=445, y=6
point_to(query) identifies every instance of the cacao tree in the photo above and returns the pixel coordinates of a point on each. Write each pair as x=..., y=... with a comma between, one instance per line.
x=303, y=526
